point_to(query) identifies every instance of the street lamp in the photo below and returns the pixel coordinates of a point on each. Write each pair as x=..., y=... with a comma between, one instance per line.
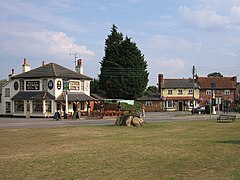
x=213, y=103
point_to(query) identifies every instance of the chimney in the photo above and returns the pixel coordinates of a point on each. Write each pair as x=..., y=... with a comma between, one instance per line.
x=160, y=82
x=43, y=63
x=79, y=66
x=25, y=67
x=11, y=75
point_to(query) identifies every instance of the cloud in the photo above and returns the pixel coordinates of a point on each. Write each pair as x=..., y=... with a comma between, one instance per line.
x=174, y=63
x=202, y=18
x=32, y=42
x=225, y=52
x=174, y=43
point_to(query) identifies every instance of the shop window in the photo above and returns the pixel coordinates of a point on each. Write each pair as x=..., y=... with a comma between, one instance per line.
x=8, y=107
x=7, y=92
x=48, y=106
x=37, y=106
x=19, y=106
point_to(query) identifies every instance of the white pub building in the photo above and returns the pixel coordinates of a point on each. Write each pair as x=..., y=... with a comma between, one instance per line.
x=42, y=91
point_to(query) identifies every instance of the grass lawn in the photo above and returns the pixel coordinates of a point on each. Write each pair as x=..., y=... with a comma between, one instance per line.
x=167, y=150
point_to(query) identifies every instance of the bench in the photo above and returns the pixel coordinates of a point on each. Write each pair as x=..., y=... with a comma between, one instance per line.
x=224, y=117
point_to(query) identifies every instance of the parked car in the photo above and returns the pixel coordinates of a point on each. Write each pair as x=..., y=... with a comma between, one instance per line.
x=199, y=110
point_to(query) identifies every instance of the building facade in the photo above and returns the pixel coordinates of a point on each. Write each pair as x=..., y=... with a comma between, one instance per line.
x=44, y=90
x=222, y=89
x=178, y=94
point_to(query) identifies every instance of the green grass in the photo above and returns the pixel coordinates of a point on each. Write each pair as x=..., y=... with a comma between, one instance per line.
x=169, y=150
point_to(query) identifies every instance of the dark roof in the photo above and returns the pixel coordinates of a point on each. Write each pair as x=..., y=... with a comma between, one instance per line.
x=220, y=82
x=178, y=83
x=51, y=70
x=75, y=97
x=2, y=82
x=99, y=96
x=39, y=95
x=150, y=97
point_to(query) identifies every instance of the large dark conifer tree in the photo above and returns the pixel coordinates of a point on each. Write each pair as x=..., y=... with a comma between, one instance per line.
x=123, y=68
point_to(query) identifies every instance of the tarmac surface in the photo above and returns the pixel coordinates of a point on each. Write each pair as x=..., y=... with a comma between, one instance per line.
x=10, y=122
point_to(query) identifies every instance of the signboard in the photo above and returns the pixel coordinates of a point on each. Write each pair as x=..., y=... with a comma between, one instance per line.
x=74, y=85
x=59, y=85
x=65, y=85
x=32, y=85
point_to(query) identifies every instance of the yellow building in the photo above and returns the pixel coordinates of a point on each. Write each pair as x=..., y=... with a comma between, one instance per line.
x=178, y=94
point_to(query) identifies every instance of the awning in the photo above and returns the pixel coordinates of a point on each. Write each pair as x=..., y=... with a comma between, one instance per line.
x=37, y=95
x=179, y=98
x=72, y=97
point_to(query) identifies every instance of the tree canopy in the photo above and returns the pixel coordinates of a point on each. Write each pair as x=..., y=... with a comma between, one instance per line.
x=215, y=74
x=123, y=72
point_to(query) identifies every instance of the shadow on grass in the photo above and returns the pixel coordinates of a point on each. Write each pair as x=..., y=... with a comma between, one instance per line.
x=230, y=142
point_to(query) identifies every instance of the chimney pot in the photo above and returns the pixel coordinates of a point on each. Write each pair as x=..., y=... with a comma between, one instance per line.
x=24, y=61
x=12, y=72
x=43, y=63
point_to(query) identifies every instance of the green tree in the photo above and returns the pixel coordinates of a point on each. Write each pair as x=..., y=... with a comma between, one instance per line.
x=123, y=68
x=151, y=90
x=215, y=74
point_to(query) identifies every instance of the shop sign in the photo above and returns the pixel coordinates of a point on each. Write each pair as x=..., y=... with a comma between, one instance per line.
x=32, y=85
x=74, y=85
x=65, y=85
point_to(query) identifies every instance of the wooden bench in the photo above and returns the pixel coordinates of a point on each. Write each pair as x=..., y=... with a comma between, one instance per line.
x=226, y=117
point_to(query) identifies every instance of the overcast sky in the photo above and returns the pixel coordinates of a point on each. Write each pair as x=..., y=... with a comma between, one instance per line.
x=173, y=35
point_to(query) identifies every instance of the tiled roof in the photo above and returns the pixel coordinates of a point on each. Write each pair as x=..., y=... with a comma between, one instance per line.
x=179, y=98
x=178, y=83
x=75, y=97
x=51, y=70
x=220, y=82
x=37, y=95
x=2, y=82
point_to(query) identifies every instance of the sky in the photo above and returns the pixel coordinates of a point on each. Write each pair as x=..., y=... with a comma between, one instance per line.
x=173, y=35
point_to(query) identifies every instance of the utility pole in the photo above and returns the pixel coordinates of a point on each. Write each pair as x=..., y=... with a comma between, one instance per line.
x=75, y=58
x=193, y=75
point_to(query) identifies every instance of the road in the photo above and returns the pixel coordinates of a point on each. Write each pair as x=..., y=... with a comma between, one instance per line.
x=9, y=122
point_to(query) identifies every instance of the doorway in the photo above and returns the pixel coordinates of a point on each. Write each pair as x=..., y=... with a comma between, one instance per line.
x=180, y=106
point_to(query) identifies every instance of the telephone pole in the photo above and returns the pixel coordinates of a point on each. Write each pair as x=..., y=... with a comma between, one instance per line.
x=193, y=75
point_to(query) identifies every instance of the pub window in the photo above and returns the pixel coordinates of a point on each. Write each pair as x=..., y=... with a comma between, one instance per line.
x=82, y=86
x=19, y=106
x=48, y=106
x=7, y=92
x=21, y=85
x=82, y=105
x=37, y=106
x=149, y=103
x=44, y=84
x=8, y=107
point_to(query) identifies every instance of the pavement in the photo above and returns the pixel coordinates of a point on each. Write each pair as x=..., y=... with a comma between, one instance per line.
x=10, y=122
